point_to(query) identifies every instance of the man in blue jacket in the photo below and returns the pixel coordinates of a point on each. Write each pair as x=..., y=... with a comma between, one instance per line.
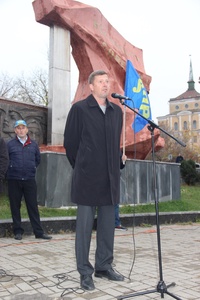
x=24, y=157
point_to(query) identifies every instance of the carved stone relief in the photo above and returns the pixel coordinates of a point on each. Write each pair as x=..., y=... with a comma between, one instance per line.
x=35, y=116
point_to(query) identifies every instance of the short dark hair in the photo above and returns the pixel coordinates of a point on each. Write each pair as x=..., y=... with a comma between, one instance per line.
x=94, y=74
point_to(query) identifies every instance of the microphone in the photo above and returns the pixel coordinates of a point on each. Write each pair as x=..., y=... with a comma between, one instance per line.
x=114, y=95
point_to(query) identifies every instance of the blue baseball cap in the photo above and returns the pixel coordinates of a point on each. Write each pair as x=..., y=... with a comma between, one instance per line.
x=20, y=122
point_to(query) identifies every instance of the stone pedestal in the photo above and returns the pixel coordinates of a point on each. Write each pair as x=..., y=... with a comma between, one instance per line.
x=136, y=185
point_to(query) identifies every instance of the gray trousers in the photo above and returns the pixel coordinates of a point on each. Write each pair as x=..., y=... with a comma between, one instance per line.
x=104, y=237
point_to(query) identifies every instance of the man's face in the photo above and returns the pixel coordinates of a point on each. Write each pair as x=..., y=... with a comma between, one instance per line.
x=21, y=131
x=101, y=86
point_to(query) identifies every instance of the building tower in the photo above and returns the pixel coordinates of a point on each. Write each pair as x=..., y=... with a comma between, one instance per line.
x=184, y=113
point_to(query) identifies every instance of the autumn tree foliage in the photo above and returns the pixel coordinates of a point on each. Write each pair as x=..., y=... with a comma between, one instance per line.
x=172, y=148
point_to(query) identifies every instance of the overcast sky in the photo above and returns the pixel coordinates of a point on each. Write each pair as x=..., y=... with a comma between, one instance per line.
x=166, y=31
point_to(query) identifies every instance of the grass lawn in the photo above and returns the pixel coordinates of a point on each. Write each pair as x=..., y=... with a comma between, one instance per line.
x=190, y=201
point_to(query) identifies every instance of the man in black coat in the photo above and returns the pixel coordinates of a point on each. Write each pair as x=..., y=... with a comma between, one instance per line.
x=3, y=162
x=24, y=157
x=92, y=143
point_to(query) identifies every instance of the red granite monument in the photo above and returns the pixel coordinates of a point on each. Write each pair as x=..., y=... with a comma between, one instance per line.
x=96, y=44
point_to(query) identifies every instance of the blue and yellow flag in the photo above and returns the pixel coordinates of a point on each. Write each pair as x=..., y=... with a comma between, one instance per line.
x=135, y=90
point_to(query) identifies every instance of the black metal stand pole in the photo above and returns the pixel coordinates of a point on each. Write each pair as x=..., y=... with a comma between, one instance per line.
x=161, y=288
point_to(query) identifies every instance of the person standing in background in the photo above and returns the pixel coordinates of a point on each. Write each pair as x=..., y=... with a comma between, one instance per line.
x=179, y=158
x=118, y=225
x=24, y=157
x=92, y=142
x=3, y=162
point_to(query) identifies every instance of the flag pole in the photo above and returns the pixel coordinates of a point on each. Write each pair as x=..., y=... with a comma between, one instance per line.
x=124, y=132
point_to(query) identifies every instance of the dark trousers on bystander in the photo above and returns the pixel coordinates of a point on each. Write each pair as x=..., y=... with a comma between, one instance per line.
x=16, y=190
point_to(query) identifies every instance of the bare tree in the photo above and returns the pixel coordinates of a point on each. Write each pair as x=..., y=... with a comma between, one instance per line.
x=7, y=86
x=32, y=89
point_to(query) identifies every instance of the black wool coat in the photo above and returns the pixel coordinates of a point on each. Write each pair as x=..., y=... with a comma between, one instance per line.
x=92, y=143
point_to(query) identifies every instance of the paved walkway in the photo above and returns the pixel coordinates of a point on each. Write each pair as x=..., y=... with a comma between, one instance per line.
x=37, y=269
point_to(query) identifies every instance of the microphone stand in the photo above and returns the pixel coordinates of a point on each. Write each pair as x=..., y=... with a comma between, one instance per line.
x=161, y=288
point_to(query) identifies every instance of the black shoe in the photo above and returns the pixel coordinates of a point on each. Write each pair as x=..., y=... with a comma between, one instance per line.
x=120, y=227
x=18, y=236
x=44, y=236
x=87, y=282
x=109, y=274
